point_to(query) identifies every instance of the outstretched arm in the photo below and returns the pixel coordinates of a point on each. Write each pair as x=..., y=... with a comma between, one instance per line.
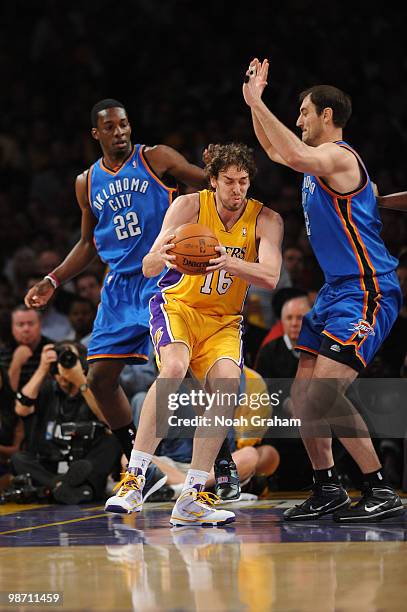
x=260, y=77
x=393, y=201
x=184, y=210
x=285, y=147
x=82, y=254
x=164, y=159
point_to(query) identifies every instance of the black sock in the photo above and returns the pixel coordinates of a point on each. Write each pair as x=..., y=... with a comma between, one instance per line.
x=375, y=479
x=126, y=436
x=328, y=476
x=224, y=452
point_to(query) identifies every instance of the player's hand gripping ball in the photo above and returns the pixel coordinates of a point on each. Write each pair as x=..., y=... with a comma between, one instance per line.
x=194, y=247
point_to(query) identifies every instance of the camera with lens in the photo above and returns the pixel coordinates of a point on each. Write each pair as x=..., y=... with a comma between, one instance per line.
x=81, y=435
x=22, y=491
x=65, y=356
x=82, y=429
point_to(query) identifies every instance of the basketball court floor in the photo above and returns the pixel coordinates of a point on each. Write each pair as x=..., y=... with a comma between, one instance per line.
x=110, y=562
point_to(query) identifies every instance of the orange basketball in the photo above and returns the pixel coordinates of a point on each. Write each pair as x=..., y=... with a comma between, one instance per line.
x=194, y=247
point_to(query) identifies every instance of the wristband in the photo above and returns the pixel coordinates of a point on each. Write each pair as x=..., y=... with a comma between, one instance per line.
x=24, y=399
x=55, y=282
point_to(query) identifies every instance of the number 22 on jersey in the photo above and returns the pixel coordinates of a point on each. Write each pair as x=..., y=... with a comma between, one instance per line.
x=127, y=225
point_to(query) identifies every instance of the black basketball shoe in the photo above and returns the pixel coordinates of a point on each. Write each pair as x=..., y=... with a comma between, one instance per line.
x=376, y=504
x=325, y=498
x=227, y=483
x=155, y=482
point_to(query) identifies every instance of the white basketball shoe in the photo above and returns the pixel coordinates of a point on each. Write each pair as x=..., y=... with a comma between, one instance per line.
x=196, y=508
x=129, y=497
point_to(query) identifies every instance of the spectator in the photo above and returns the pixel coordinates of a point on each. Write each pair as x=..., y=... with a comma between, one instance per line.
x=81, y=315
x=22, y=355
x=281, y=297
x=11, y=429
x=19, y=269
x=278, y=358
x=88, y=286
x=47, y=260
x=293, y=262
x=67, y=431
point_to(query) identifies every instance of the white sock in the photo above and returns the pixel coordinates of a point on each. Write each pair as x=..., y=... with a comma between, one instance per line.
x=195, y=478
x=139, y=461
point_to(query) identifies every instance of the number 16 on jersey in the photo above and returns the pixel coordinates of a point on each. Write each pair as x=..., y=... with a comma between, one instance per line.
x=223, y=283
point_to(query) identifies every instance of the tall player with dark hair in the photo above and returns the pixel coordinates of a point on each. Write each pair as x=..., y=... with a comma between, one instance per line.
x=123, y=199
x=357, y=306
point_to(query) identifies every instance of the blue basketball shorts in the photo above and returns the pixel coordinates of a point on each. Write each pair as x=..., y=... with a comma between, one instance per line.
x=121, y=329
x=350, y=319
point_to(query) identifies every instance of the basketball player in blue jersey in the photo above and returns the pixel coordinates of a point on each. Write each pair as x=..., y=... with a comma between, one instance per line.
x=123, y=200
x=357, y=306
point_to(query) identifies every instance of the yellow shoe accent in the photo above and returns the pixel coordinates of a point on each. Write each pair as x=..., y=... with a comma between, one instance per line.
x=209, y=499
x=129, y=482
x=193, y=508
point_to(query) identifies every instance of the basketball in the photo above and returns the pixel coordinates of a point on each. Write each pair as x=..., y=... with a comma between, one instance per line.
x=194, y=247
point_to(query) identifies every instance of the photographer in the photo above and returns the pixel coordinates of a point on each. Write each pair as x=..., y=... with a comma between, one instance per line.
x=67, y=431
x=11, y=429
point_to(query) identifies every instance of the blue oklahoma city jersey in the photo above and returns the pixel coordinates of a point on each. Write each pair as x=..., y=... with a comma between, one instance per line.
x=129, y=205
x=356, y=308
x=344, y=229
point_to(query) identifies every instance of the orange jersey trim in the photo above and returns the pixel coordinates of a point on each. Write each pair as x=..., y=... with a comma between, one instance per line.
x=348, y=234
x=346, y=343
x=89, y=188
x=114, y=172
x=149, y=170
x=300, y=347
x=376, y=310
x=362, y=244
x=109, y=356
x=336, y=194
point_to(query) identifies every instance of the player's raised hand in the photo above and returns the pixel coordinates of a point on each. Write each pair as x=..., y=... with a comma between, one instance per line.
x=255, y=80
x=39, y=295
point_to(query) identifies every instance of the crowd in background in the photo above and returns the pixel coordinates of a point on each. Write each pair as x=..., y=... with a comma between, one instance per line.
x=178, y=71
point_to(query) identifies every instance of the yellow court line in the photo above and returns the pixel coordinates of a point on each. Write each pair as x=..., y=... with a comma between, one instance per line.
x=12, y=508
x=95, y=508
x=85, y=518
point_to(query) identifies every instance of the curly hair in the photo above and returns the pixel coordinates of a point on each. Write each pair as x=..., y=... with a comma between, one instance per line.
x=219, y=157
